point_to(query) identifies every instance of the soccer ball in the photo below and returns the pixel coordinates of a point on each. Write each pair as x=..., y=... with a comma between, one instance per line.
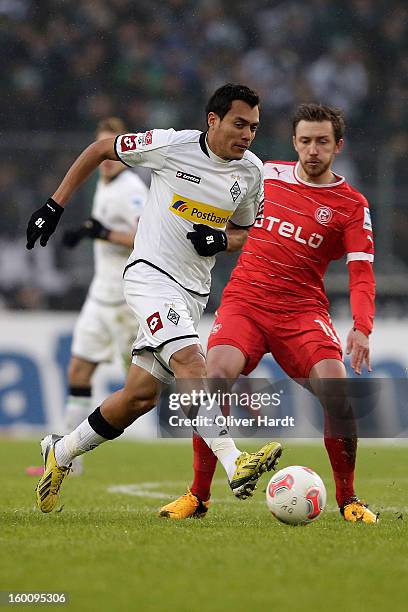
x=296, y=495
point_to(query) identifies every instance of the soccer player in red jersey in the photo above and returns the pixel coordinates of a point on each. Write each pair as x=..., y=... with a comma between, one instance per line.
x=275, y=300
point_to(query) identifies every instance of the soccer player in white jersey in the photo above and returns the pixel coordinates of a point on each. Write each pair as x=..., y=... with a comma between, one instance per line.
x=106, y=327
x=205, y=191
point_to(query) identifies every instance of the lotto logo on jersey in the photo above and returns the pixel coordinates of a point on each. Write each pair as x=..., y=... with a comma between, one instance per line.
x=198, y=212
x=128, y=143
x=154, y=322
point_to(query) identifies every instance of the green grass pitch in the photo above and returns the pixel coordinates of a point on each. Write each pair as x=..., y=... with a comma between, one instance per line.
x=109, y=551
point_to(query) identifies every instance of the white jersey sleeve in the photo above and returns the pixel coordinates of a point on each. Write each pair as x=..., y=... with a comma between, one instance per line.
x=247, y=209
x=148, y=149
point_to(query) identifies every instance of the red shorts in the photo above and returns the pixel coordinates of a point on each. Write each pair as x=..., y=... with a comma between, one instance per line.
x=297, y=340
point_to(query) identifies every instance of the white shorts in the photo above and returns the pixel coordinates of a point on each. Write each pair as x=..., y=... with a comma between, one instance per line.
x=103, y=332
x=168, y=317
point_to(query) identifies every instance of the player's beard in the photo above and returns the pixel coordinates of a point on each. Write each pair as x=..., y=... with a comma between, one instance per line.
x=316, y=170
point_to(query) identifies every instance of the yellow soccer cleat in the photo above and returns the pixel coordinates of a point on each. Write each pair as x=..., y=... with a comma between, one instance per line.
x=47, y=491
x=355, y=511
x=250, y=467
x=186, y=506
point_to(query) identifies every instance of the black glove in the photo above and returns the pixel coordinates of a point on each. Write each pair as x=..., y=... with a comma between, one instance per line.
x=207, y=241
x=43, y=222
x=94, y=229
x=72, y=237
x=91, y=228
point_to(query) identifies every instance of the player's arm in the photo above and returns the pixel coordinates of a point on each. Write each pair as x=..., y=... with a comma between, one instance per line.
x=83, y=167
x=94, y=229
x=360, y=256
x=236, y=237
x=147, y=149
x=208, y=241
x=43, y=221
x=362, y=302
x=123, y=238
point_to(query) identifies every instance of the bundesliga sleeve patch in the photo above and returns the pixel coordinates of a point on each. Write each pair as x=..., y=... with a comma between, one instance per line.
x=131, y=142
x=367, y=220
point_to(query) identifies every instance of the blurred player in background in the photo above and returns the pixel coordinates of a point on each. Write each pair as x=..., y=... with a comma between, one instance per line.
x=106, y=327
x=275, y=300
x=205, y=192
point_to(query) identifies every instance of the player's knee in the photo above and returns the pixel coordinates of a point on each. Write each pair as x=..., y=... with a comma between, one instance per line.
x=220, y=370
x=189, y=362
x=328, y=368
x=225, y=362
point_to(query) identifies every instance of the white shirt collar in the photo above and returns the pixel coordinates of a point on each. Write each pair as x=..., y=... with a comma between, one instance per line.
x=212, y=155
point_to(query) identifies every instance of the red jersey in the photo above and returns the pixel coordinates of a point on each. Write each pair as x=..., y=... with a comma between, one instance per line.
x=301, y=229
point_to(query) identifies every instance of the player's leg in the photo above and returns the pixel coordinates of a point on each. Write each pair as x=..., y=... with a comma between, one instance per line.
x=224, y=363
x=340, y=433
x=308, y=349
x=99, y=330
x=78, y=406
x=188, y=364
x=328, y=381
x=91, y=345
x=228, y=356
x=78, y=403
x=124, y=331
x=106, y=423
x=118, y=411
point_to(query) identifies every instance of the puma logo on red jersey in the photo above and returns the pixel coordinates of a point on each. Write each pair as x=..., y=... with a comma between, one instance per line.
x=278, y=172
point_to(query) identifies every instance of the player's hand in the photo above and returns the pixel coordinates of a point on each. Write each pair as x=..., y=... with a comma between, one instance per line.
x=43, y=222
x=92, y=228
x=72, y=237
x=358, y=346
x=207, y=241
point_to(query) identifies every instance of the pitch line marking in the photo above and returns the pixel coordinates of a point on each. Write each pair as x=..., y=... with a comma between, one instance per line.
x=149, y=490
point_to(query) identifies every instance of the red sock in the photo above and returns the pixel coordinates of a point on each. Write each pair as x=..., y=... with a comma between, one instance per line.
x=204, y=466
x=342, y=452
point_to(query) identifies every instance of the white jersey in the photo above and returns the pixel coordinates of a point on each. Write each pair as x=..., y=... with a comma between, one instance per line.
x=189, y=185
x=117, y=205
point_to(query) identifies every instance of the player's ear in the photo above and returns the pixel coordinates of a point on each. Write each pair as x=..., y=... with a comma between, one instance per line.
x=212, y=119
x=294, y=142
x=339, y=145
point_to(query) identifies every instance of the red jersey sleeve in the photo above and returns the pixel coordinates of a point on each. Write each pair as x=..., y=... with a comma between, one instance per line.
x=359, y=246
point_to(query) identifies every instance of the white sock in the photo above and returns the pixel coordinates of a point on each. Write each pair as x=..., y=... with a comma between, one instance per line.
x=77, y=409
x=226, y=451
x=81, y=440
x=221, y=444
